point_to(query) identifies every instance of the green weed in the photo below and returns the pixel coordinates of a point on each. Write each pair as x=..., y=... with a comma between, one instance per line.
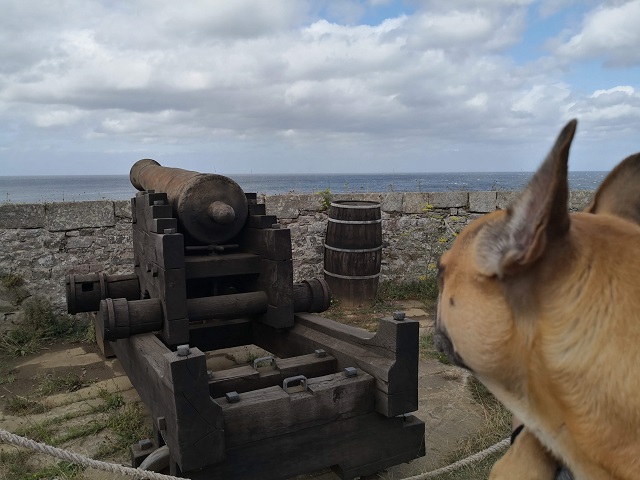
x=326, y=197
x=52, y=383
x=23, y=406
x=11, y=280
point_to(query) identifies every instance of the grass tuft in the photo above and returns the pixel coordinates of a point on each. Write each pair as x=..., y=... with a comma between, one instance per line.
x=52, y=383
x=39, y=324
x=497, y=426
x=427, y=349
x=128, y=426
x=23, y=406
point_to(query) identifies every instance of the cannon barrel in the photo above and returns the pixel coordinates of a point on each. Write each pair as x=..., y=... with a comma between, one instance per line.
x=211, y=208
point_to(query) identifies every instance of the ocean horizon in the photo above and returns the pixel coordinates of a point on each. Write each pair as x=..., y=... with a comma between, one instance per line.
x=70, y=188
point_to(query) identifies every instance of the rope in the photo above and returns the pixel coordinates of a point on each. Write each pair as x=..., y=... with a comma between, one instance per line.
x=13, y=439
x=71, y=457
x=501, y=445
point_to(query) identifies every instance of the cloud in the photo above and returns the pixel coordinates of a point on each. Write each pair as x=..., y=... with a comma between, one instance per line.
x=609, y=32
x=269, y=77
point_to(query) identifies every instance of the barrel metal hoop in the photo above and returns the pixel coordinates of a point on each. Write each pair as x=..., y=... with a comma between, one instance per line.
x=353, y=250
x=351, y=277
x=360, y=207
x=356, y=222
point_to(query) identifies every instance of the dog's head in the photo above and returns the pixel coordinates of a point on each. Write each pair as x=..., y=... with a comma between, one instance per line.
x=492, y=279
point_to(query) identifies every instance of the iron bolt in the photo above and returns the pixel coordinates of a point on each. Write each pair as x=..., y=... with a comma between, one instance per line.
x=209, y=374
x=232, y=397
x=320, y=353
x=169, y=230
x=398, y=315
x=350, y=372
x=158, y=202
x=145, y=444
x=183, y=350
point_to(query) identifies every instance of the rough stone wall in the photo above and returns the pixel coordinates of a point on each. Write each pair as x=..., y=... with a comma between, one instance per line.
x=42, y=243
x=416, y=227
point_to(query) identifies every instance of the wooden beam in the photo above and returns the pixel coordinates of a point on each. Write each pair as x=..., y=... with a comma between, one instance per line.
x=271, y=412
x=354, y=447
x=175, y=390
x=208, y=266
x=269, y=243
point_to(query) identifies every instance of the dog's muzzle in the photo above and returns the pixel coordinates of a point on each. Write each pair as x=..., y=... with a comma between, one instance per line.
x=443, y=344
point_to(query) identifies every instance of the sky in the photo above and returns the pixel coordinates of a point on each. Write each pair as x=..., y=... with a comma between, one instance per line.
x=315, y=86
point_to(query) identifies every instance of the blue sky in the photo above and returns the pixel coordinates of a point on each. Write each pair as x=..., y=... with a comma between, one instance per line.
x=317, y=86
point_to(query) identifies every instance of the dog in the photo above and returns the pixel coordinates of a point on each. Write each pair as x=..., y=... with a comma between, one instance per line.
x=543, y=307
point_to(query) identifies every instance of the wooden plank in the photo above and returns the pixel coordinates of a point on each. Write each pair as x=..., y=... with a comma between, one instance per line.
x=175, y=388
x=165, y=250
x=159, y=225
x=245, y=378
x=261, y=221
x=208, y=266
x=355, y=447
x=257, y=209
x=269, y=412
x=276, y=280
x=269, y=243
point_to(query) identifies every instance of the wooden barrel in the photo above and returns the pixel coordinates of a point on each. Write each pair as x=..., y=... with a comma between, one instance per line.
x=353, y=251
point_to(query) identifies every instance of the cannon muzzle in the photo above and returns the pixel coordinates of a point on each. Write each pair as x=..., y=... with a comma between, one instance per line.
x=211, y=208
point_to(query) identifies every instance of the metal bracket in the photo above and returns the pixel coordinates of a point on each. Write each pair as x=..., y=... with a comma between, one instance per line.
x=270, y=359
x=300, y=384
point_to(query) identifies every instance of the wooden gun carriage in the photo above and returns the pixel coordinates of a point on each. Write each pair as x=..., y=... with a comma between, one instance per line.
x=213, y=271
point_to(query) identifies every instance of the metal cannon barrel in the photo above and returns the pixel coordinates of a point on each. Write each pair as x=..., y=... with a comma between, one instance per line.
x=210, y=208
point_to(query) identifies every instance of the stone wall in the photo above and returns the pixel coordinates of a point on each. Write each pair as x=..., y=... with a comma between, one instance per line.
x=41, y=243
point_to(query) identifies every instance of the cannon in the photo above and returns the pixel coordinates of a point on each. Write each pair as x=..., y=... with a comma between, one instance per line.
x=213, y=271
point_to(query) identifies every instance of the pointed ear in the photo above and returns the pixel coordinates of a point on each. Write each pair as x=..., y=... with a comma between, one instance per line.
x=539, y=215
x=619, y=193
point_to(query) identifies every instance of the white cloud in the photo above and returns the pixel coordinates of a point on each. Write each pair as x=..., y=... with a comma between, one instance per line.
x=612, y=109
x=250, y=75
x=610, y=32
x=58, y=118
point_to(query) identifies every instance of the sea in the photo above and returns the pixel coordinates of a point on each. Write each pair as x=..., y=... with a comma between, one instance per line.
x=61, y=188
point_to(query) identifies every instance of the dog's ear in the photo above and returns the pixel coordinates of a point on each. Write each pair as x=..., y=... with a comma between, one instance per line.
x=539, y=215
x=619, y=193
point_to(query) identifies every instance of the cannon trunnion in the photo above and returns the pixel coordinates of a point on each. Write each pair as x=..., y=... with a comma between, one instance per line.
x=213, y=271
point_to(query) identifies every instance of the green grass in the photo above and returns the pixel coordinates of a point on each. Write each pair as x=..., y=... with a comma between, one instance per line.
x=497, y=426
x=122, y=423
x=15, y=465
x=23, y=406
x=39, y=324
x=128, y=426
x=427, y=350
x=424, y=290
x=51, y=383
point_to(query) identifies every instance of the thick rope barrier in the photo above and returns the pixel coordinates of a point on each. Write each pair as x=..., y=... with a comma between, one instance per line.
x=19, y=441
x=476, y=457
x=13, y=439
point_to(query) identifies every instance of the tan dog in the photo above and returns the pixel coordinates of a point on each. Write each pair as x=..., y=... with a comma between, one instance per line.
x=544, y=308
